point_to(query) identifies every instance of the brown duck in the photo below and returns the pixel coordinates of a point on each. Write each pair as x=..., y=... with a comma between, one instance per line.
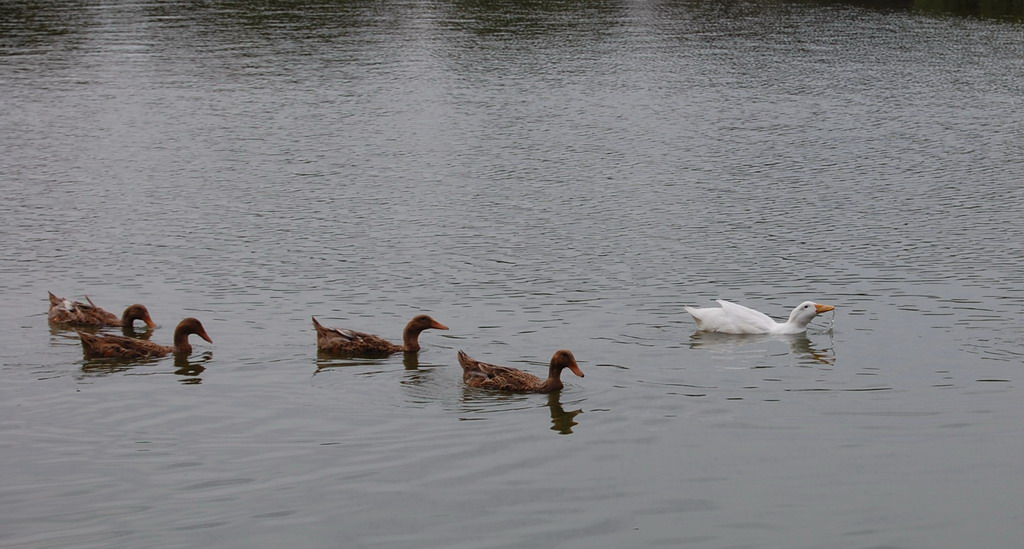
x=111, y=346
x=76, y=313
x=340, y=340
x=504, y=378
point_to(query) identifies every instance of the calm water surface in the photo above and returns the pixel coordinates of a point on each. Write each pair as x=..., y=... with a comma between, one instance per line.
x=538, y=176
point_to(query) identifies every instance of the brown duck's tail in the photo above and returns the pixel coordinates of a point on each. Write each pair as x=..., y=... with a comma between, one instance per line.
x=321, y=330
x=88, y=341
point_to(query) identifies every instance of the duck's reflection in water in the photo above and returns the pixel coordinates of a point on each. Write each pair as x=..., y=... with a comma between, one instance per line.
x=562, y=421
x=191, y=366
x=477, y=404
x=799, y=344
x=411, y=361
x=107, y=366
x=130, y=331
x=326, y=360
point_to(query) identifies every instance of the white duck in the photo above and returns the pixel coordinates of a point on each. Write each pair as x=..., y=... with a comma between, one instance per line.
x=732, y=318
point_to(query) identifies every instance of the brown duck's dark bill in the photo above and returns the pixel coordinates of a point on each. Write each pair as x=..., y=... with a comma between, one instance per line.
x=576, y=369
x=437, y=325
x=206, y=337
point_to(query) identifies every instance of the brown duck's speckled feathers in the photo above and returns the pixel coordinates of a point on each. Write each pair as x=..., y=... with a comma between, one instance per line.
x=76, y=313
x=343, y=341
x=504, y=378
x=111, y=346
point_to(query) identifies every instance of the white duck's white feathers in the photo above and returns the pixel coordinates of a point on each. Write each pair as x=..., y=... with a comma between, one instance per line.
x=732, y=318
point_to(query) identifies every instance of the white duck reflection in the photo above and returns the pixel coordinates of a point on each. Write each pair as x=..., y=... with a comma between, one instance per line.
x=799, y=344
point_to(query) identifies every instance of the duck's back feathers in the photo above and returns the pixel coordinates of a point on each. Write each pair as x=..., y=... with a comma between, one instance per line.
x=341, y=340
x=731, y=318
x=76, y=313
x=504, y=378
x=112, y=346
x=345, y=341
x=492, y=376
x=754, y=317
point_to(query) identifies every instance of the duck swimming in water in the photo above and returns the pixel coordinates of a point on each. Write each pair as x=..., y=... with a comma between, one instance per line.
x=505, y=378
x=76, y=313
x=111, y=346
x=344, y=341
x=732, y=318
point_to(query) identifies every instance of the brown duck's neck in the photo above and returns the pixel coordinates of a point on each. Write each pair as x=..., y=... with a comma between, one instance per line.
x=554, y=380
x=126, y=320
x=181, y=344
x=411, y=339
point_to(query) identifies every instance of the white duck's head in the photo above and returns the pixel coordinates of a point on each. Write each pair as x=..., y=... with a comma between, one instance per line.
x=806, y=311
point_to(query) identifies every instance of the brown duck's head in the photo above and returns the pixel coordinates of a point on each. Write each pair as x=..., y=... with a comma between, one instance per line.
x=564, y=359
x=137, y=312
x=191, y=326
x=424, y=322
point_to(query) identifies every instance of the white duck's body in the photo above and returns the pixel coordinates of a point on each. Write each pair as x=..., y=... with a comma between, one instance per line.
x=732, y=318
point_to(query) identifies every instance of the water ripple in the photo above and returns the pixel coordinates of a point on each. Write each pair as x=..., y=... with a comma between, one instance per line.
x=536, y=176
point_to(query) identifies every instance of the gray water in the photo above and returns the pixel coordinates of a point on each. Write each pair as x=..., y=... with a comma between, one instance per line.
x=536, y=175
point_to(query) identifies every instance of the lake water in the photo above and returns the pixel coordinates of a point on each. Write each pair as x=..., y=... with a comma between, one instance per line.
x=537, y=176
